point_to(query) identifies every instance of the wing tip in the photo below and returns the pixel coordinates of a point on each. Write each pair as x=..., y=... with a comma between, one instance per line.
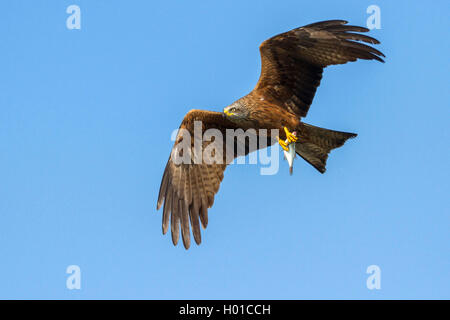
x=186, y=244
x=327, y=23
x=165, y=228
x=174, y=240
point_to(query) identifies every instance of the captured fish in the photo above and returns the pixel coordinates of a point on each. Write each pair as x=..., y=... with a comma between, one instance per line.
x=290, y=155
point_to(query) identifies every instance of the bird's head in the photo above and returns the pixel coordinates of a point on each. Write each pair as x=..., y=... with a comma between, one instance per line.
x=236, y=112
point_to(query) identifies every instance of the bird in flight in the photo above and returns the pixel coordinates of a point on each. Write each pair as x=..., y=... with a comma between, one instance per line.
x=292, y=64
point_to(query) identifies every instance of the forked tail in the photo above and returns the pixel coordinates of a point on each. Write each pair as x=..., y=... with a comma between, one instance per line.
x=315, y=144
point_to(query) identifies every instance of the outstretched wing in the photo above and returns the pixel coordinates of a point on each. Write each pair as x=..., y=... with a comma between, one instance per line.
x=293, y=62
x=189, y=183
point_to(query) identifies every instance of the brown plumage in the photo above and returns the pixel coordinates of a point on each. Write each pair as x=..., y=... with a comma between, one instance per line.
x=292, y=67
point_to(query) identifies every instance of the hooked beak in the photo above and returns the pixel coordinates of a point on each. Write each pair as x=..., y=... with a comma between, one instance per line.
x=226, y=112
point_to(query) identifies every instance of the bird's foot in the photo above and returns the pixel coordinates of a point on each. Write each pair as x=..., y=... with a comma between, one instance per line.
x=283, y=144
x=291, y=136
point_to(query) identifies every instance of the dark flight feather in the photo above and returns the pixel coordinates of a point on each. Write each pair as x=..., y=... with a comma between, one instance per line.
x=293, y=62
x=190, y=188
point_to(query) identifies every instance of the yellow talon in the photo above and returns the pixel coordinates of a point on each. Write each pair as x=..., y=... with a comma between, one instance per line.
x=283, y=144
x=290, y=136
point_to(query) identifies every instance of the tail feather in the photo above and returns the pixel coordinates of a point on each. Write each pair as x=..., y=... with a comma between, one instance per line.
x=316, y=143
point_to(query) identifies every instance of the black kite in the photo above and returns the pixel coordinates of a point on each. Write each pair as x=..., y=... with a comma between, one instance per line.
x=292, y=67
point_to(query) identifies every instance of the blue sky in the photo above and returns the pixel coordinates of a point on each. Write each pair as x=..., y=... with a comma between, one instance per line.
x=85, y=123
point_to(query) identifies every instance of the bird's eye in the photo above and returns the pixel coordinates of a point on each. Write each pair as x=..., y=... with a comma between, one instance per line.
x=233, y=109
